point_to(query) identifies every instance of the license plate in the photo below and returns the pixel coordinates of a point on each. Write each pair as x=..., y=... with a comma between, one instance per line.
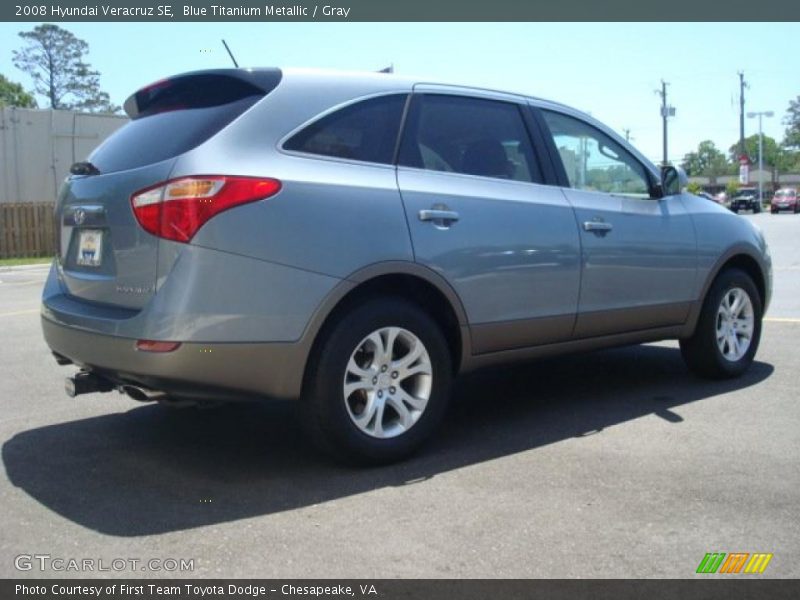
x=90, y=248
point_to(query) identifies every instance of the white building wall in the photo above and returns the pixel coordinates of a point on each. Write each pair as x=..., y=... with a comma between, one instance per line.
x=37, y=148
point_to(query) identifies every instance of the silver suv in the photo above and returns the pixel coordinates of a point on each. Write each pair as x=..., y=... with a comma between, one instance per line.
x=356, y=240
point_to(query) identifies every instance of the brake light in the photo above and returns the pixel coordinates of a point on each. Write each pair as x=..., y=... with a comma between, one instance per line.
x=176, y=209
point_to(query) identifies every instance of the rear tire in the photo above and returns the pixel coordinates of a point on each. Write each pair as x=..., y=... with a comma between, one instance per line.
x=378, y=383
x=728, y=330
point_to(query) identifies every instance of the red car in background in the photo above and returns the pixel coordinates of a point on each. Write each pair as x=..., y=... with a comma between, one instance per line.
x=785, y=199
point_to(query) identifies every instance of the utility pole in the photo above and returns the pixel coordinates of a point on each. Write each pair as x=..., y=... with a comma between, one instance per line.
x=742, y=85
x=666, y=111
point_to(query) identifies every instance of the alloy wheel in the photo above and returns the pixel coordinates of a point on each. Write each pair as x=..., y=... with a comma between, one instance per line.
x=387, y=382
x=735, y=324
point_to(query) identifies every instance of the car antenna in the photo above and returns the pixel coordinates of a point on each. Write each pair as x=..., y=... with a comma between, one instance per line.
x=235, y=64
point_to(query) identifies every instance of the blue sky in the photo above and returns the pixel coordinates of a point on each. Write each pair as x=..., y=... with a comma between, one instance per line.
x=610, y=70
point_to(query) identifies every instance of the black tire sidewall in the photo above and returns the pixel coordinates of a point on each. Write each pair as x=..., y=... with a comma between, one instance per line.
x=324, y=400
x=707, y=327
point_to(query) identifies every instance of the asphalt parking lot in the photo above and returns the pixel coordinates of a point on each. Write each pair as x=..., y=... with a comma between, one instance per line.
x=613, y=464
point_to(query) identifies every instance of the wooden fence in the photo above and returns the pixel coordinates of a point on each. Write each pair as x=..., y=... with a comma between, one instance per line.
x=27, y=229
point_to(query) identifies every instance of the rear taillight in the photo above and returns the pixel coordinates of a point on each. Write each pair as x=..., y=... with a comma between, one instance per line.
x=176, y=209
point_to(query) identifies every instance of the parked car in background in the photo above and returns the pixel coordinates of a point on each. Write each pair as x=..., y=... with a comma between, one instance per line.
x=354, y=241
x=785, y=199
x=746, y=198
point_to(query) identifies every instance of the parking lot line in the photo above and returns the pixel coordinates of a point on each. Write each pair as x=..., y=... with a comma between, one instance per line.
x=781, y=320
x=20, y=312
x=20, y=283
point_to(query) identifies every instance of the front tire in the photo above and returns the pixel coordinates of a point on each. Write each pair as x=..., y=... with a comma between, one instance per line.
x=380, y=385
x=728, y=330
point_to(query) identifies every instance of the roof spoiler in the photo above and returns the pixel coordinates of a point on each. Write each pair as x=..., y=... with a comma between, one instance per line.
x=200, y=89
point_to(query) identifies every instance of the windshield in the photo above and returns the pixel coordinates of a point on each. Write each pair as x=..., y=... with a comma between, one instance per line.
x=784, y=194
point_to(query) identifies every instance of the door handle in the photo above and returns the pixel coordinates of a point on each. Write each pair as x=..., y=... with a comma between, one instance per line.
x=438, y=216
x=597, y=226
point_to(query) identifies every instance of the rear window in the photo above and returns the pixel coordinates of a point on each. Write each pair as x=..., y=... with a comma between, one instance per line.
x=365, y=131
x=173, y=116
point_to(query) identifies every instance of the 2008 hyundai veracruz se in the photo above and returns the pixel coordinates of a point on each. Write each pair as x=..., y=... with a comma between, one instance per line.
x=355, y=240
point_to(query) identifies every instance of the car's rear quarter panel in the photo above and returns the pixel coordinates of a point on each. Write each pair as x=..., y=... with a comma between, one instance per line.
x=331, y=217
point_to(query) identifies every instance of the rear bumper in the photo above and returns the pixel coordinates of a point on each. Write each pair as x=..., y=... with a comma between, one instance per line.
x=245, y=328
x=219, y=371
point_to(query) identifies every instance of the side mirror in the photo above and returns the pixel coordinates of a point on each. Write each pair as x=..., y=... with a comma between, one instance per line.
x=673, y=180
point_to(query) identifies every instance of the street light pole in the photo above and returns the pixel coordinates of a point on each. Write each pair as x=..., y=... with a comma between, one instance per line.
x=760, y=114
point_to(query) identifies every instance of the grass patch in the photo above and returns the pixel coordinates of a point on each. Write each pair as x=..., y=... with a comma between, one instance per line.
x=13, y=262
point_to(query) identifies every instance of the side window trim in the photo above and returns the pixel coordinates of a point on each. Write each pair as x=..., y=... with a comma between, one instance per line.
x=409, y=121
x=545, y=148
x=411, y=116
x=398, y=142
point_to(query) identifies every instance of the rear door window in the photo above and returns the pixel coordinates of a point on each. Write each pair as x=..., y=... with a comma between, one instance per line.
x=472, y=136
x=365, y=131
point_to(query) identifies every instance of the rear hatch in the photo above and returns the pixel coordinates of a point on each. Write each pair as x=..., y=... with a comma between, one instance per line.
x=104, y=253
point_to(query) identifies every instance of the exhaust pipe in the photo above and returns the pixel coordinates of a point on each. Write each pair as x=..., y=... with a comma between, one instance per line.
x=85, y=382
x=142, y=394
x=146, y=395
x=61, y=360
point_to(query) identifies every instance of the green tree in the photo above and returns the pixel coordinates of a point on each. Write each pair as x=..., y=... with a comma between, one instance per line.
x=54, y=58
x=787, y=160
x=792, y=122
x=12, y=94
x=707, y=161
x=772, y=150
x=693, y=187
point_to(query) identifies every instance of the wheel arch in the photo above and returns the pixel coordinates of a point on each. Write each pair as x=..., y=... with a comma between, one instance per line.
x=410, y=281
x=740, y=257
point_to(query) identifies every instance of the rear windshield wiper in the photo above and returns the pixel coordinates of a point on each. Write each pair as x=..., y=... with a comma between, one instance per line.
x=84, y=168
